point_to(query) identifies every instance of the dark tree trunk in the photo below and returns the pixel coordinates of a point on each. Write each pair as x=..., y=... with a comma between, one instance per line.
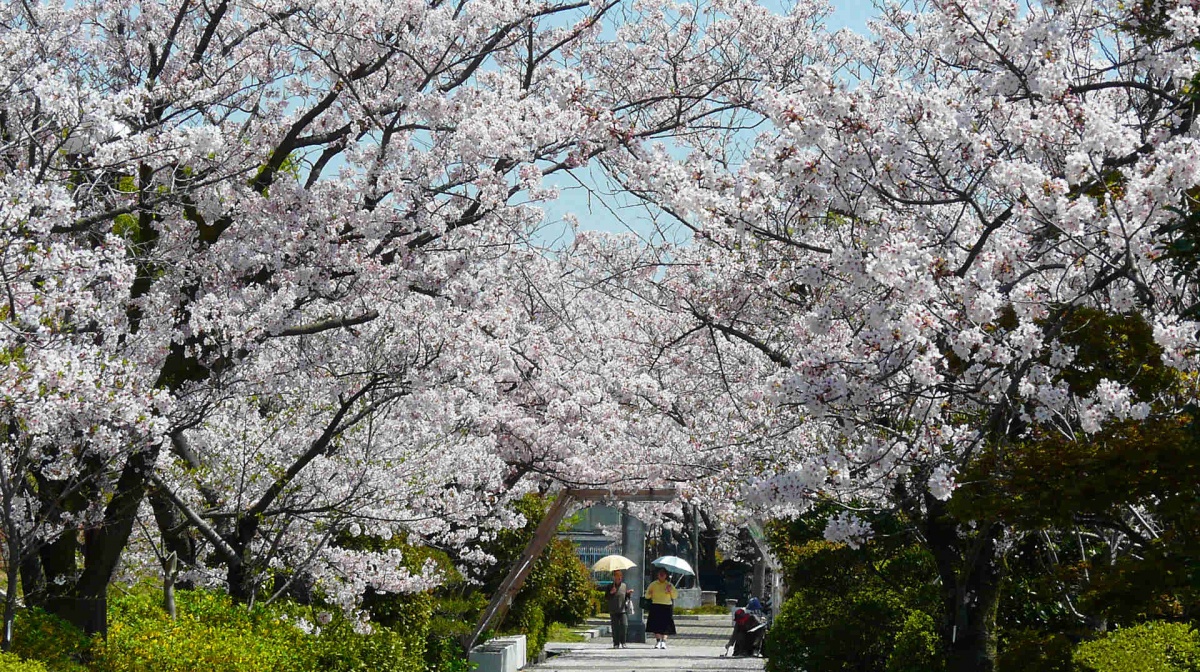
x=84, y=602
x=176, y=533
x=33, y=580
x=242, y=586
x=972, y=573
x=11, y=574
x=58, y=564
x=708, y=547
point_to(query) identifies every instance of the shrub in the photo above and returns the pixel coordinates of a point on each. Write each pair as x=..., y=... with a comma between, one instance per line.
x=210, y=633
x=397, y=642
x=11, y=662
x=40, y=636
x=341, y=649
x=213, y=633
x=426, y=628
x=852, y=633
x=868, y=630
x=915, y=647
x=569, y=599
x=1149, y=647
x=862, y=609
x=453, y=617
x=532, y=621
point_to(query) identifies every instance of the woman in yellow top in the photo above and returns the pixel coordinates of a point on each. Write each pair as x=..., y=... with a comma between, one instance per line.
x=661, y=620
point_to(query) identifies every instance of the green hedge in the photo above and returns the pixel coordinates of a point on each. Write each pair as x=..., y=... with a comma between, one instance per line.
x=210, y=633
x=869, y=630
x=49, y=639
x=1149, y=647
x=11, y=662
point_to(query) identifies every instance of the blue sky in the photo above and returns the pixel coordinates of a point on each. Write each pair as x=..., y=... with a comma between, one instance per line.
x=851, y=14
x=610, y=212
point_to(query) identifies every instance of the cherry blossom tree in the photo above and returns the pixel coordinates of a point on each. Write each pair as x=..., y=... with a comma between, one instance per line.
x=881, y=277
x=298, y=297
x=70, y=409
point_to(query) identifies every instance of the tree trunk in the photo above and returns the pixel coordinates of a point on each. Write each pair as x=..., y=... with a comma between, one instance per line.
x=33, y=581
x=169, y=571
x=241, y=582
x=11, y=570
x=972, y=573
x=84, y=602
x=175, y=530
x=242, y=587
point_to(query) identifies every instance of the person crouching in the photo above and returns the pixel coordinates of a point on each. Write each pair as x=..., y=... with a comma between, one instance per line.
x=747, y=634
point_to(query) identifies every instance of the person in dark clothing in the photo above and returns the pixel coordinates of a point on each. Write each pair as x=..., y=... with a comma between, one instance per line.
x=747, y=634
x=618, y=596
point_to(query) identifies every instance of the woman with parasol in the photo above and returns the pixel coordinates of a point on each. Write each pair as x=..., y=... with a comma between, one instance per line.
x=618, y=597
x=662, y=597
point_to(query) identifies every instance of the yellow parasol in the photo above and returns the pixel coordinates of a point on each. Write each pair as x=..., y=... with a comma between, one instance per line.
x=611, y=563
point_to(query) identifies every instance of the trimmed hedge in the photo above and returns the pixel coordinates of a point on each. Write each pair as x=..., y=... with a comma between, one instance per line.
x=869, y=629
x=214, y=634
x=1149, y=647
x=210, y=633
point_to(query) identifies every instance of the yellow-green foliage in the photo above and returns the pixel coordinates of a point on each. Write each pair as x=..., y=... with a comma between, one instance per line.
x=11, y=662
x=1149, y=647
x=48, y=639
x=210, y=633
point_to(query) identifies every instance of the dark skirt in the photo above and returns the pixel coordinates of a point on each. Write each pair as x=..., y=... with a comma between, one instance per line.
x=661, y=620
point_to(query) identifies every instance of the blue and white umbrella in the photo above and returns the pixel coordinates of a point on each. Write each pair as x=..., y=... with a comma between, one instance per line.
x=674, y=564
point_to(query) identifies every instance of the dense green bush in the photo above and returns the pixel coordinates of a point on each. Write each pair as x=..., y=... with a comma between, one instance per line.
x=1149, y=647
x=428, y=627
x=915, y=647
x=868, y=609
x=569, y=584
x=865, y=630
x=340, y=649
x=558, y=589
x=11, y=662
x=49, y=639
x=531, y=620
x=210, y=633
x=453, y=617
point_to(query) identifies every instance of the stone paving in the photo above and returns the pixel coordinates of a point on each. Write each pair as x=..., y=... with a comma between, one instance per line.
x=697, y=646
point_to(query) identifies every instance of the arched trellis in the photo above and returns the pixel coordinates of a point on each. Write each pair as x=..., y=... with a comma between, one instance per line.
x=545, y=531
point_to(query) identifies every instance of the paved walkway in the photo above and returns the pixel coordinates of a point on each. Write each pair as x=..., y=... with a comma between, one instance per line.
x=697, y=646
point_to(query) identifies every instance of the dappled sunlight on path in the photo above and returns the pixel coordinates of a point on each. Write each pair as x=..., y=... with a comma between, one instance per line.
x=698, y=646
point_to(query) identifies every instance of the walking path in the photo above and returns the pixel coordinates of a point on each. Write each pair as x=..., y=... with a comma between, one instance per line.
x=697, y=646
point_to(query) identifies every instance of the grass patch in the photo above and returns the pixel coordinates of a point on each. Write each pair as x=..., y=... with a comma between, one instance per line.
x=562, y=633
x=709, y=609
